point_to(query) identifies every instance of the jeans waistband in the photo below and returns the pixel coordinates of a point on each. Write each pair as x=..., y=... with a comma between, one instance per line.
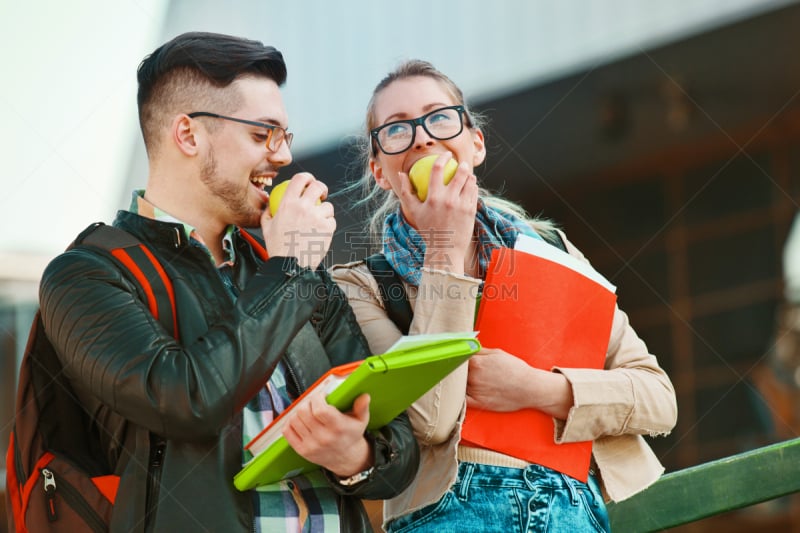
x=532, y=476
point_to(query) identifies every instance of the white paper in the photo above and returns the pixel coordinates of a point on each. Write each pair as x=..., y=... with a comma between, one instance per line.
x=410, y=341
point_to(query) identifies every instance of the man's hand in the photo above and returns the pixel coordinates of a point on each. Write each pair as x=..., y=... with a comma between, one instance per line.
x=303, y=227
x=334, y=440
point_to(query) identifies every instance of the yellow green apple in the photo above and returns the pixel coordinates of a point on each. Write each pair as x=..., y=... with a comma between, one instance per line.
x=276, y=195
x=420, y=174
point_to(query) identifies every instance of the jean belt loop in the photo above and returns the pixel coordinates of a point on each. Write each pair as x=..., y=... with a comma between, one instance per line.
x=573, y=490
x=467, y=470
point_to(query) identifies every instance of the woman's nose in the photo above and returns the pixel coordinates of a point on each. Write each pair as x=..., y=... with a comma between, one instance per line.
x=421, y=137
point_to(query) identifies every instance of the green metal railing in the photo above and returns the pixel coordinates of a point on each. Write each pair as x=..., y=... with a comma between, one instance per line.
x=711, y=488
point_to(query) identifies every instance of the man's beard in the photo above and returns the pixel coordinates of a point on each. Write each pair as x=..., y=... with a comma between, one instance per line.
x=234, y=197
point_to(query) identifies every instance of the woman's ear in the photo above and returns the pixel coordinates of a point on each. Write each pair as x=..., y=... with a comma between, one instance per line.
x=479, y=154
x=184, y=131
x=377, y=172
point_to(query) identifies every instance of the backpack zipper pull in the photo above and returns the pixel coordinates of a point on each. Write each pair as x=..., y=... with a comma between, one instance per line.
x=50, y=493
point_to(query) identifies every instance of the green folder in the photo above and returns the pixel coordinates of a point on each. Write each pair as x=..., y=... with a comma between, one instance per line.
x=394, y=380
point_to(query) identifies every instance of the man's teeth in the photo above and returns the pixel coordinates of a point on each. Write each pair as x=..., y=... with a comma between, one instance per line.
x=262, y=181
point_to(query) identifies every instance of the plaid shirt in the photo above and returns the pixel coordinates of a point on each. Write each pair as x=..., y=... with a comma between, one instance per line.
x=304, y=503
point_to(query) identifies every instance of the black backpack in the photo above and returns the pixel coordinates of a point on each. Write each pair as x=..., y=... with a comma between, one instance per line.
x=56, y=479
x=393, y=292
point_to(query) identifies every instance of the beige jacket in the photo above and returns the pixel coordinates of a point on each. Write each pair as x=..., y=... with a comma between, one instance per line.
x=613, y=407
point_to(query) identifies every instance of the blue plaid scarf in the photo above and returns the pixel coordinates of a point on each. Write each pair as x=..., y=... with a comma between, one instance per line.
x=404, y=247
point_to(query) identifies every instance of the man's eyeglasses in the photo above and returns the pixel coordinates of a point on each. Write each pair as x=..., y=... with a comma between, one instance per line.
x=398, y=136
x=275, y=134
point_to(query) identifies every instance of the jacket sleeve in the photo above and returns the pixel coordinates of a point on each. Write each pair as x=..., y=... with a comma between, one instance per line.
x=115, y=350
x=394, y=448
x=631, y=395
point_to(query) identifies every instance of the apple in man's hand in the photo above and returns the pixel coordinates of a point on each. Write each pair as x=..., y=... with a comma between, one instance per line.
x=276, y=194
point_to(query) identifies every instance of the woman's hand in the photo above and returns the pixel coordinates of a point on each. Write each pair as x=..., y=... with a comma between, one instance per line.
x=499, y=381
x=446, y=219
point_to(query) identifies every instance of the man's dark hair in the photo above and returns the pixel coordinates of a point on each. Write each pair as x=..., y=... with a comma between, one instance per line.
x=183, y=74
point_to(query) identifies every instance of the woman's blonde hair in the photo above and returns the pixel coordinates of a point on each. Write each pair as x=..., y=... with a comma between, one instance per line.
x=379, y=202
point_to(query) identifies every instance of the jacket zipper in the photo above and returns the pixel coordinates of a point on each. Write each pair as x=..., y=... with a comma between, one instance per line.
x=50, y=494
x=154, y=476
x=72, y=497
x=299, y=387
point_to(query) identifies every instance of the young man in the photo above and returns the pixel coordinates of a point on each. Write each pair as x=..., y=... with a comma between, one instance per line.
x=170, y=410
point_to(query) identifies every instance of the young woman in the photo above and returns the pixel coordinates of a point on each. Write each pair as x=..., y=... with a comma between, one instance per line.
x=441, y=247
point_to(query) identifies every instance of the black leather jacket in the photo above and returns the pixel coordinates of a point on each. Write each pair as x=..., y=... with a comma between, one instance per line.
x=170, y=411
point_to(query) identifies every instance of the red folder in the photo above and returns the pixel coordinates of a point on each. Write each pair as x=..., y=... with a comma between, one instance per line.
x=548, y=315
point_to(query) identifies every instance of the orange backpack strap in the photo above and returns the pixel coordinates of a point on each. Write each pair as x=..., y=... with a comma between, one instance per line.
x=142, y=264
x=259, y=248
x=13, y=487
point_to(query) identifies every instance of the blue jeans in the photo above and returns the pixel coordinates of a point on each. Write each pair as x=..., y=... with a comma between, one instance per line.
x=494, y=498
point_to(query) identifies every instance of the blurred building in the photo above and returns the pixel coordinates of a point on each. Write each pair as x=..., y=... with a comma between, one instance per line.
x=664, y=138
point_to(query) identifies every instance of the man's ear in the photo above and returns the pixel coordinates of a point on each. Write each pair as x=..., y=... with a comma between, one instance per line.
x=184, y=132
x=479, y=154
x=377, y=172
